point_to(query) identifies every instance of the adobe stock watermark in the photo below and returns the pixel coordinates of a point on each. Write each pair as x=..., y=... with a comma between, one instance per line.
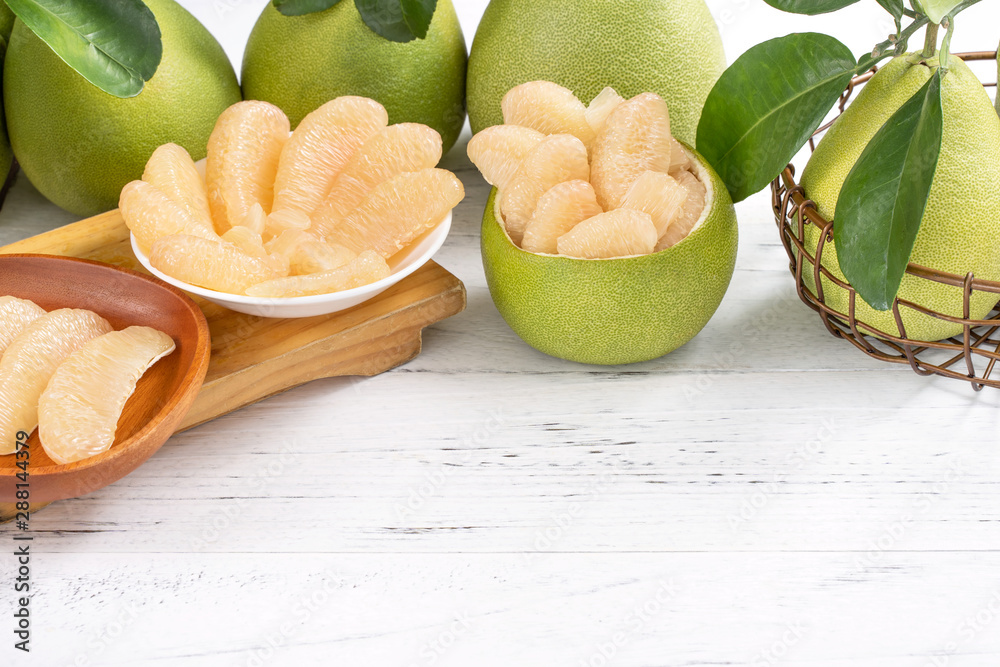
x=757, y=501
x=634, y=622
x=779, y=648
x=970, y=627
x=435, y=480
x=104, y=637
x=435, y=648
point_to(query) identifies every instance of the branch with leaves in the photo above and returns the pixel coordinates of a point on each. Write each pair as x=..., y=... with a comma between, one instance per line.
x=768, y=104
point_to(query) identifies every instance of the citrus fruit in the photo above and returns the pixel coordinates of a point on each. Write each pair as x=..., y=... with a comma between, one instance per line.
x=313, y=256
x=690, y=211
x=635, y=138
x=31, y=359
x=79, y=410
x=366, y=268
x=548, y=108
x=601, y=107
x=670, y=47
x=246, y=240
x=300, y=62
x=399, y=210
x=6, y=152
x=319, y=149
x=7, y=19
x=255, y=220
x=615, y=311
x=15, y=316
x=210, y=263
x=79, y=145
x=618, y=233
x=498, y=151
x=660, y=196
x=284, y=220
x=150, y=214
x=394, y=150
x=283, y=246
x=171, y=170
x=242, y=163
x=556, y=159
x=558, y=211
x=962, y=220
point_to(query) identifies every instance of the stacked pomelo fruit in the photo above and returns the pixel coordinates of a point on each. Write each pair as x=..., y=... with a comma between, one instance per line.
x=605, y=241
x=69, y=374
x=601, y=181
x=281, y=215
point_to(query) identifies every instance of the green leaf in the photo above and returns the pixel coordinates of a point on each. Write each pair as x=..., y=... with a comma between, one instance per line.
x=767, y=105
x=894, y=7
x=811, y=7
x=114, y=44
x=882, y=203
x=936, y=10
x=301, y=7
x=397, y=20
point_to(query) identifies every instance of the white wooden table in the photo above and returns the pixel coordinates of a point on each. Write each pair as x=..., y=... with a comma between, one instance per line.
x=794, y=503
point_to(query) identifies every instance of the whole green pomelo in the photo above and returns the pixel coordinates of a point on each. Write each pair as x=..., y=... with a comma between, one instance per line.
x=300, y=62
x=79, y=145
x=6, y=152
x=615, y=311
x=6, y=20
x=961, y=226
x=669, y=47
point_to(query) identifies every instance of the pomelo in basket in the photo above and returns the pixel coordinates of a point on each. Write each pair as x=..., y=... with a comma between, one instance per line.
x=615, y=311
x=961, y=225
x=79, y=145
x=669, y=47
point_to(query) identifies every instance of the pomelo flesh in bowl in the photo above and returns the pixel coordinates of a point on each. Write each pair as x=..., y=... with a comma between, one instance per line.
x=621, y=310
x=961, y=226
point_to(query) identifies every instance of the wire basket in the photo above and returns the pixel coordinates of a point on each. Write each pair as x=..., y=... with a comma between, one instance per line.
x=971, y=356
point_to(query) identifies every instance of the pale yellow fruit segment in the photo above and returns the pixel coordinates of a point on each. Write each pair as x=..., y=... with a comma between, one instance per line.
x=558, y=211
x=679, y=158
x=246, y=240
x=691, y=212
x=366, y=268
x=15, y=316
x=172, y=171
x=210, y=263
x=79, y=410
x=557, y=159
x=243, y=153
x=255, y=220
x=31, y=359
x=636, y=138
x=394, y=150
x=149, y=214
x=659, y=195
x=319, y=149
x=498, y=151
x=601, y=107
x=317, y=256
x=399, y=210
x=284, y=220
x=548, y=108
x=618, y=233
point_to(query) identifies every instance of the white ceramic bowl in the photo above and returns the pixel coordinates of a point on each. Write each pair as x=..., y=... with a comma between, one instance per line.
x=402, y=265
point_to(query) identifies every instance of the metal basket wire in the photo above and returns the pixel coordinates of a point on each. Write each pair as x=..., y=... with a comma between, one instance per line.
x=970, y=357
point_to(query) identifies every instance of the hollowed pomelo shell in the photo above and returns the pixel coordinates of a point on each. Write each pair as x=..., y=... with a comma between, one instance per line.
x=615, y=311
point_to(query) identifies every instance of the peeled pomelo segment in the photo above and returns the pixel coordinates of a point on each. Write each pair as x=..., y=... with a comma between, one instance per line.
x=255, y=220
x=399, y=210
x=679, y=158
x=498, y=151
x=171, y=170
x=246, y=240
x=319, y=149
x=243, y=153
x=548, y=108
x=313, y=256
x=618, y=233
x=601, y=107
x=557, y=159
x=659, y=195
x=150, y=215
x=558, y=211
x=15, y=316
x=394, y=150
x=79, y=410
x=691, y=212
x=366, y=268
x=31, y=359
x=209, y=263
x=636, y=138
x=284, y=220
x=283, y=247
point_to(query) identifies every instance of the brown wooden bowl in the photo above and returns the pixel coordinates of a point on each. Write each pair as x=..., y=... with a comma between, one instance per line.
x=162, y=397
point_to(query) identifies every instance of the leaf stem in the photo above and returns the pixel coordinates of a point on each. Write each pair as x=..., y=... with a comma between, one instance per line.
x=930, y=41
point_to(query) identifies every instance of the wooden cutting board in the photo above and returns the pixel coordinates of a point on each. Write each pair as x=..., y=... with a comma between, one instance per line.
x=255, y=357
